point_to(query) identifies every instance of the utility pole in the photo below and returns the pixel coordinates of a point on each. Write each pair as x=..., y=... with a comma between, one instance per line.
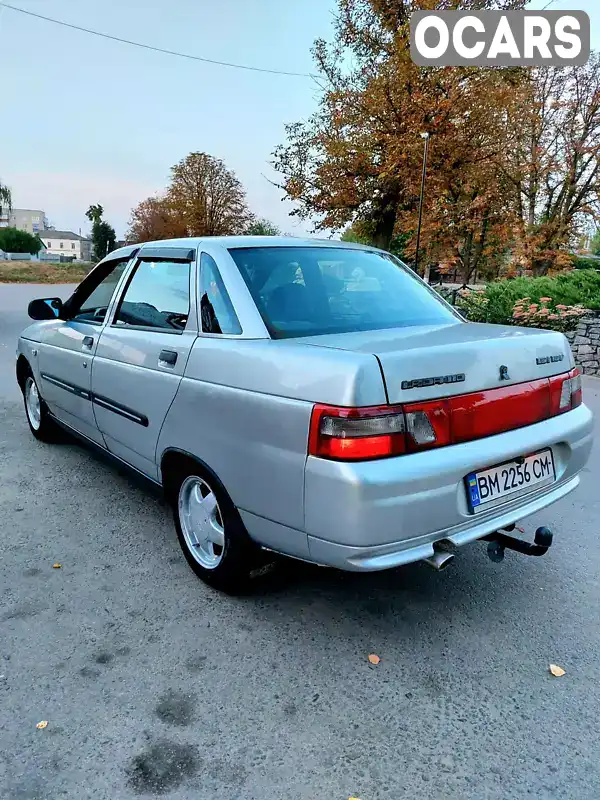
x=424, y=136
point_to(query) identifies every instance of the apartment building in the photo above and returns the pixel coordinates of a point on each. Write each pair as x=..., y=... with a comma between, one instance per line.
x=25, y=219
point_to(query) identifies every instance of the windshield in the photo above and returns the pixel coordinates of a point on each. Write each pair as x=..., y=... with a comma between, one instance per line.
x=307, y=291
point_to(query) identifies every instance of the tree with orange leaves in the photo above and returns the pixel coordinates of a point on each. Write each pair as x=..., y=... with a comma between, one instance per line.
x=204, y=198
x=552, y=164
x=514, y=157
x=359, y=157
x=153, y=219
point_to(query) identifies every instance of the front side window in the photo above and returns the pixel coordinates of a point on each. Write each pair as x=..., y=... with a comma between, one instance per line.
x=95, y=306
x=307, y=291
x=158, y=296
x=216, y=309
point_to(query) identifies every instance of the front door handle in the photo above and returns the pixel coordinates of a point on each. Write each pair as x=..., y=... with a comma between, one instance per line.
x=167, y=358
x=88, y=342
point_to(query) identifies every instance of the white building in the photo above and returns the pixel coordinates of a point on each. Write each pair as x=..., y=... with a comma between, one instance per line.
x=68, y=244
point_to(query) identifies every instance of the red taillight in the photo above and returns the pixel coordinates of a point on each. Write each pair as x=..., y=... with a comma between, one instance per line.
x=360, y=434
x=356, y=434
x=481, y=414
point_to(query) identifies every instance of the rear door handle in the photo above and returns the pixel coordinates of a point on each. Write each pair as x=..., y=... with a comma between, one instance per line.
x=167, y=358
x=88, y=342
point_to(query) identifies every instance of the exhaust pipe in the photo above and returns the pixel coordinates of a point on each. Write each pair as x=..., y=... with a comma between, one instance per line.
x=439, y=560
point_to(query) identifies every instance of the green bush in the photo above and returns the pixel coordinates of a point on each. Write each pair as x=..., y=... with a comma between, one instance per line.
x=496, y=303
x=586, y=263
x=13, y=240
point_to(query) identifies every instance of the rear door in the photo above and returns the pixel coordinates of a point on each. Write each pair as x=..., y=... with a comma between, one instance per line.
x=67, y=348
x=142, y=353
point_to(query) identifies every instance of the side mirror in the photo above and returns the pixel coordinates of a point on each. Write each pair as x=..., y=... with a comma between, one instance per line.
x=48, y=308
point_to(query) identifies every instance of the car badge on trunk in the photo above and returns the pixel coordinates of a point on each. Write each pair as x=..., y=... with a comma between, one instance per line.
x=504, y=376
x=550, y=359
x=436, y=381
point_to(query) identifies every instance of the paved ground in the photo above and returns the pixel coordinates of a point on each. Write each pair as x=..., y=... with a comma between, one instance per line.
x=152, y=684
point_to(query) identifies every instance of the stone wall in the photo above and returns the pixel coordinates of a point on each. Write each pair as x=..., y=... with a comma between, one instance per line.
x=585, y=344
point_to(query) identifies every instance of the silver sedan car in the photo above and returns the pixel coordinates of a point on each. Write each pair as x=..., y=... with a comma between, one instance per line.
x=311, y=398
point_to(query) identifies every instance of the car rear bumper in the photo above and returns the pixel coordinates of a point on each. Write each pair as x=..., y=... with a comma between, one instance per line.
x=395, y=554
x=381, y=514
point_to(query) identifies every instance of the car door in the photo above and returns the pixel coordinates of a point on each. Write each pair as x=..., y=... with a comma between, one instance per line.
x=67, y=348
x=142, y=353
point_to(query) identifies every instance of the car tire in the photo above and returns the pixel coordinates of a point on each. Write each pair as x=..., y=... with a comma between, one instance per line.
x=211, y=532
x=39, y=419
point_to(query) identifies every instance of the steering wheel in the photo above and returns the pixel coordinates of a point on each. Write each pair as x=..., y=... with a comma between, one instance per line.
x=178, y=321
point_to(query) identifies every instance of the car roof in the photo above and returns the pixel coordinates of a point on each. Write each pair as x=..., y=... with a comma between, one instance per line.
x=239, y=241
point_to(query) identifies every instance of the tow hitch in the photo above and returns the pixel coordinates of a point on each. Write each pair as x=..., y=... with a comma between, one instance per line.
x=499, y=542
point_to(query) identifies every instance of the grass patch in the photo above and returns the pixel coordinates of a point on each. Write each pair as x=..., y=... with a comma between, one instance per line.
x=43, y=272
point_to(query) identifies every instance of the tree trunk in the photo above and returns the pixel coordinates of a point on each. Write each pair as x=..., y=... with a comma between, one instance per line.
x=540, y=266
x=384, y=219
x=384, y=230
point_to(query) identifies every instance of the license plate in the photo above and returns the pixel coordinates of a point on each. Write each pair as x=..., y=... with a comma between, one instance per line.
x=492, y=486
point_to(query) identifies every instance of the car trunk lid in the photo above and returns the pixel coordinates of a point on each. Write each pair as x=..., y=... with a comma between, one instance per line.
x=428, y=362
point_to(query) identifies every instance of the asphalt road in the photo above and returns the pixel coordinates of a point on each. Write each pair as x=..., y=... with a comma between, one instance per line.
x=152, y=684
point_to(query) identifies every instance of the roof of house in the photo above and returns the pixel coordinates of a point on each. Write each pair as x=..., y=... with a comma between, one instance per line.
x=52, y=234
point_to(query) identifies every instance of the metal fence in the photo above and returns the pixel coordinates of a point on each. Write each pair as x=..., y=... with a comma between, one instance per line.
x=450, y=292
x=42, y=256
x=17, y=256
x=54, y=257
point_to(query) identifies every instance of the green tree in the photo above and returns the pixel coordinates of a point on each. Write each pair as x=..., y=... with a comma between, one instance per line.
x=103, y=239
x=262, y=227
x=103, y=234
x=362, y=232
x=595, y=246
x=5, y=197
x=94, y=213
x=355, y=233
x=12, y=240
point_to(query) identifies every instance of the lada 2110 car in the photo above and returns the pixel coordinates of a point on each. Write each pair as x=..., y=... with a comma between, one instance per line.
x=313, y=398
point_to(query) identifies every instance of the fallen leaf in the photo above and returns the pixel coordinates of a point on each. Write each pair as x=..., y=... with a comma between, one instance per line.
x=56, y=566
x=557, y=671
x=521, y=530
x=42, y=724
x=374, y=659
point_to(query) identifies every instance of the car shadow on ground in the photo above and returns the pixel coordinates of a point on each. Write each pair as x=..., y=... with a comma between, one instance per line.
x=390, y=602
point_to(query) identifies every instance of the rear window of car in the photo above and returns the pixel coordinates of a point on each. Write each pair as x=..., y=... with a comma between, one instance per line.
x=308, y=291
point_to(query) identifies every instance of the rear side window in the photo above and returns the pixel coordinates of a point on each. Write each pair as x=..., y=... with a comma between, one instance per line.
x=157, y=296
x=306, y=291
x=216, y=309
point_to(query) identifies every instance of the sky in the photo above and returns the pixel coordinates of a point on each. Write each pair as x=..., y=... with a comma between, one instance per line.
x=87, y=120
